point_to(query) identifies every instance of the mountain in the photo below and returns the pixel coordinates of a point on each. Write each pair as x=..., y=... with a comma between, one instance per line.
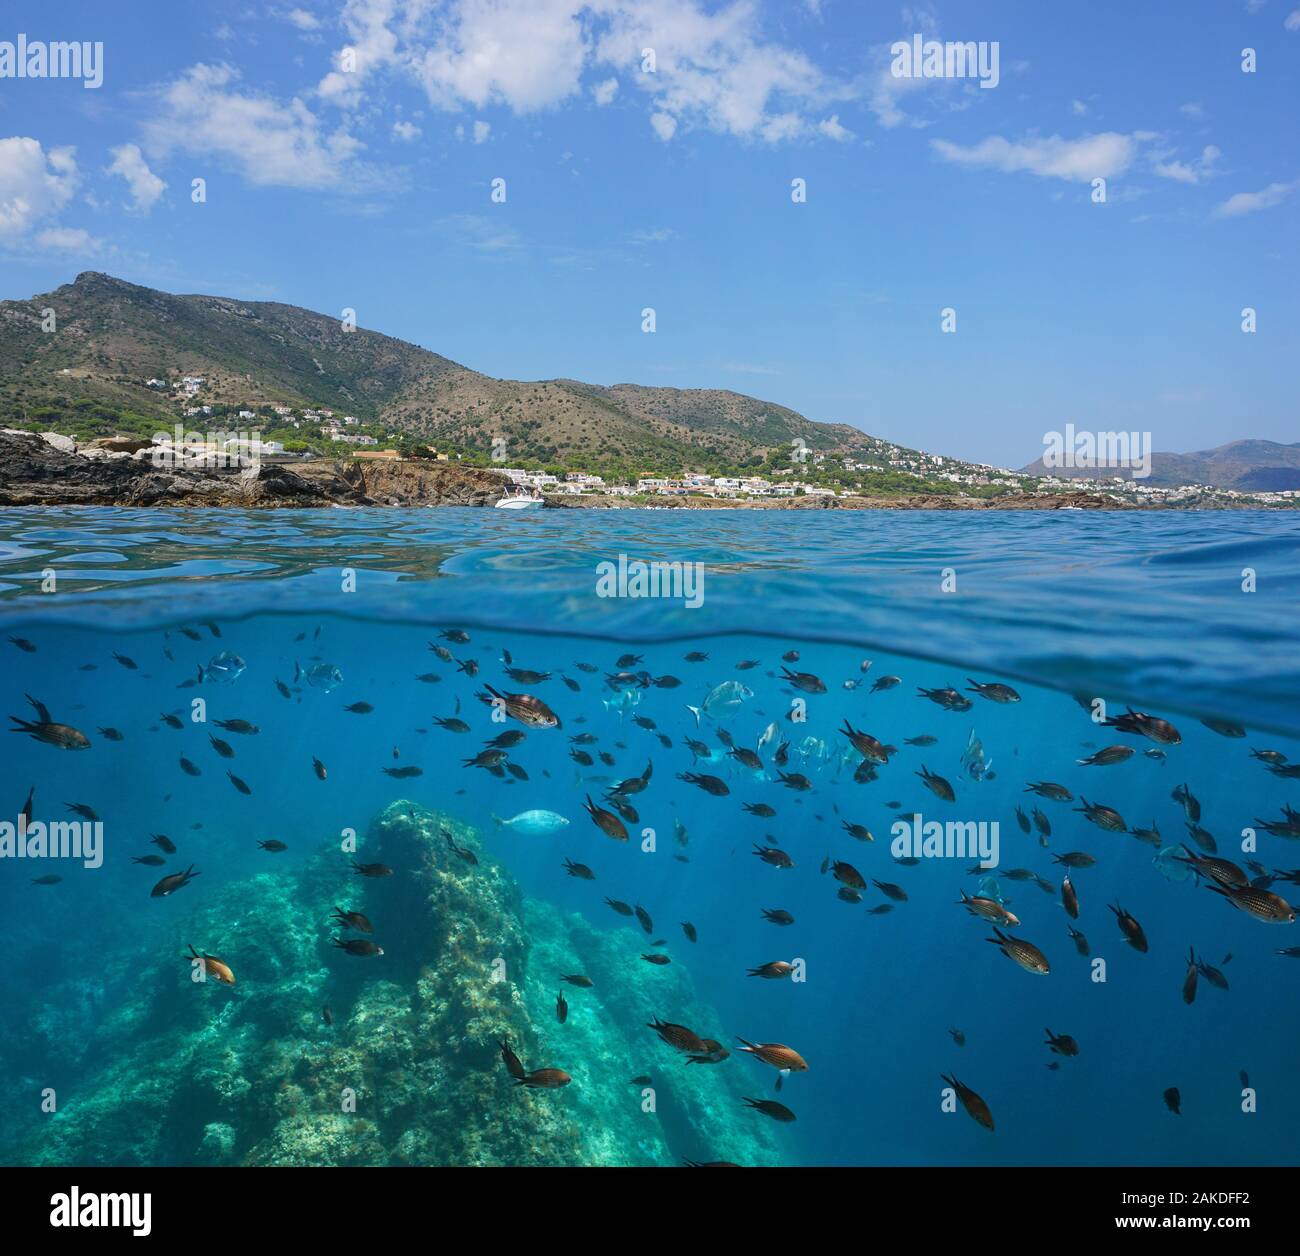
x=1248, y=466
x=111, y=336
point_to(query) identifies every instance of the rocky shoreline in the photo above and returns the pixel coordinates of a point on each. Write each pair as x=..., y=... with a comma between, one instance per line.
x=51, y=470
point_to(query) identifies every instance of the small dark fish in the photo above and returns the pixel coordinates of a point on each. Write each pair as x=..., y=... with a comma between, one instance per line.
x=358, y=946
x=1102, y=816
x=130, y=664
x=318, y=767
x=1174, y=1101
x=150, y=861
x=51, y=878
x=163, y=842
x=172, y=882
x=656, y=959
x=689, y=930
x=939, y=787
x=1061, y=1044
x=243, y=727
x=111, y=734
x=1105, y=758
x=1131, y=930
x=189, y=768
x=326, y=1015
x=806, y=682
x=775, y=970
x=274, y=845
x=23, y=644
x=993, y=691
x=1144, y=725
x=1049, y=789
x=773, y=855
x=606, y=821
x=623, y=909
x=778, y=916
x=403, y=773
x=1225, y=728
x=371, y=869
x=1189, y=982
x=240, y=785
x=581, y=871
x=1069, y=899
x=577, y=979
x=770, y=1107
x=49, y=731
x=958, y=1037
x=709, y=784
x=975, y=1106
x=223, y=748
x=351, y=920
x=561, y=1009
x=1080, y=943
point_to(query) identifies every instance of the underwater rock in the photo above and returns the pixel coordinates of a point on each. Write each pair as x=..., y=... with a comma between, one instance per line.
x=179, y=1071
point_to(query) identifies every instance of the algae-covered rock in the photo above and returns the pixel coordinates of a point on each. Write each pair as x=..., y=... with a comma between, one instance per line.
x=408, y=1067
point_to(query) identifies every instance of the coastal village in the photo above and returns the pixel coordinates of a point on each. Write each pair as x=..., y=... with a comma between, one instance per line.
x=280, y=433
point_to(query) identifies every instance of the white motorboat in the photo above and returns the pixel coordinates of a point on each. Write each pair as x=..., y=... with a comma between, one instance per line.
x=519, y=500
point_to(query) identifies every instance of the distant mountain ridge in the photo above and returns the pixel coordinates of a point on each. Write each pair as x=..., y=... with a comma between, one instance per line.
x=112, y=335
x=1248, y=466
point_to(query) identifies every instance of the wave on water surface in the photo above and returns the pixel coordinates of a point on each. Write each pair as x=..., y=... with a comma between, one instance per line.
x=1193, y=611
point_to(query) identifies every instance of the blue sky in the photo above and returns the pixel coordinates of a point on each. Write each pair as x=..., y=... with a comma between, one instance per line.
x=370, y=188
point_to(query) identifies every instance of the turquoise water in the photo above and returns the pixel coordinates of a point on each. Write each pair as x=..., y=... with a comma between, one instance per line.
x=1145, y=612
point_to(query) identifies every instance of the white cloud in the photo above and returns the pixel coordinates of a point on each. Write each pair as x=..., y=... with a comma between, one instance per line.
x=34, y=184
x=713, y=69
x=481, y=131
x=303, y=20
x=665, y=125
x=1191, y=110
x=272, y=143
x=146, y=187
x=1252, y=202
x=527, y=54
x=407, y=132
x=1292, y=20
x=1091, y=156
x=1190, y=172
x=653, y=235
x=68, y=240
x=1078, y=108
x=832, y=130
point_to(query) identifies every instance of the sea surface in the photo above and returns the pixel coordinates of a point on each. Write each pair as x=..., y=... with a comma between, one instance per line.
x=724, y=730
